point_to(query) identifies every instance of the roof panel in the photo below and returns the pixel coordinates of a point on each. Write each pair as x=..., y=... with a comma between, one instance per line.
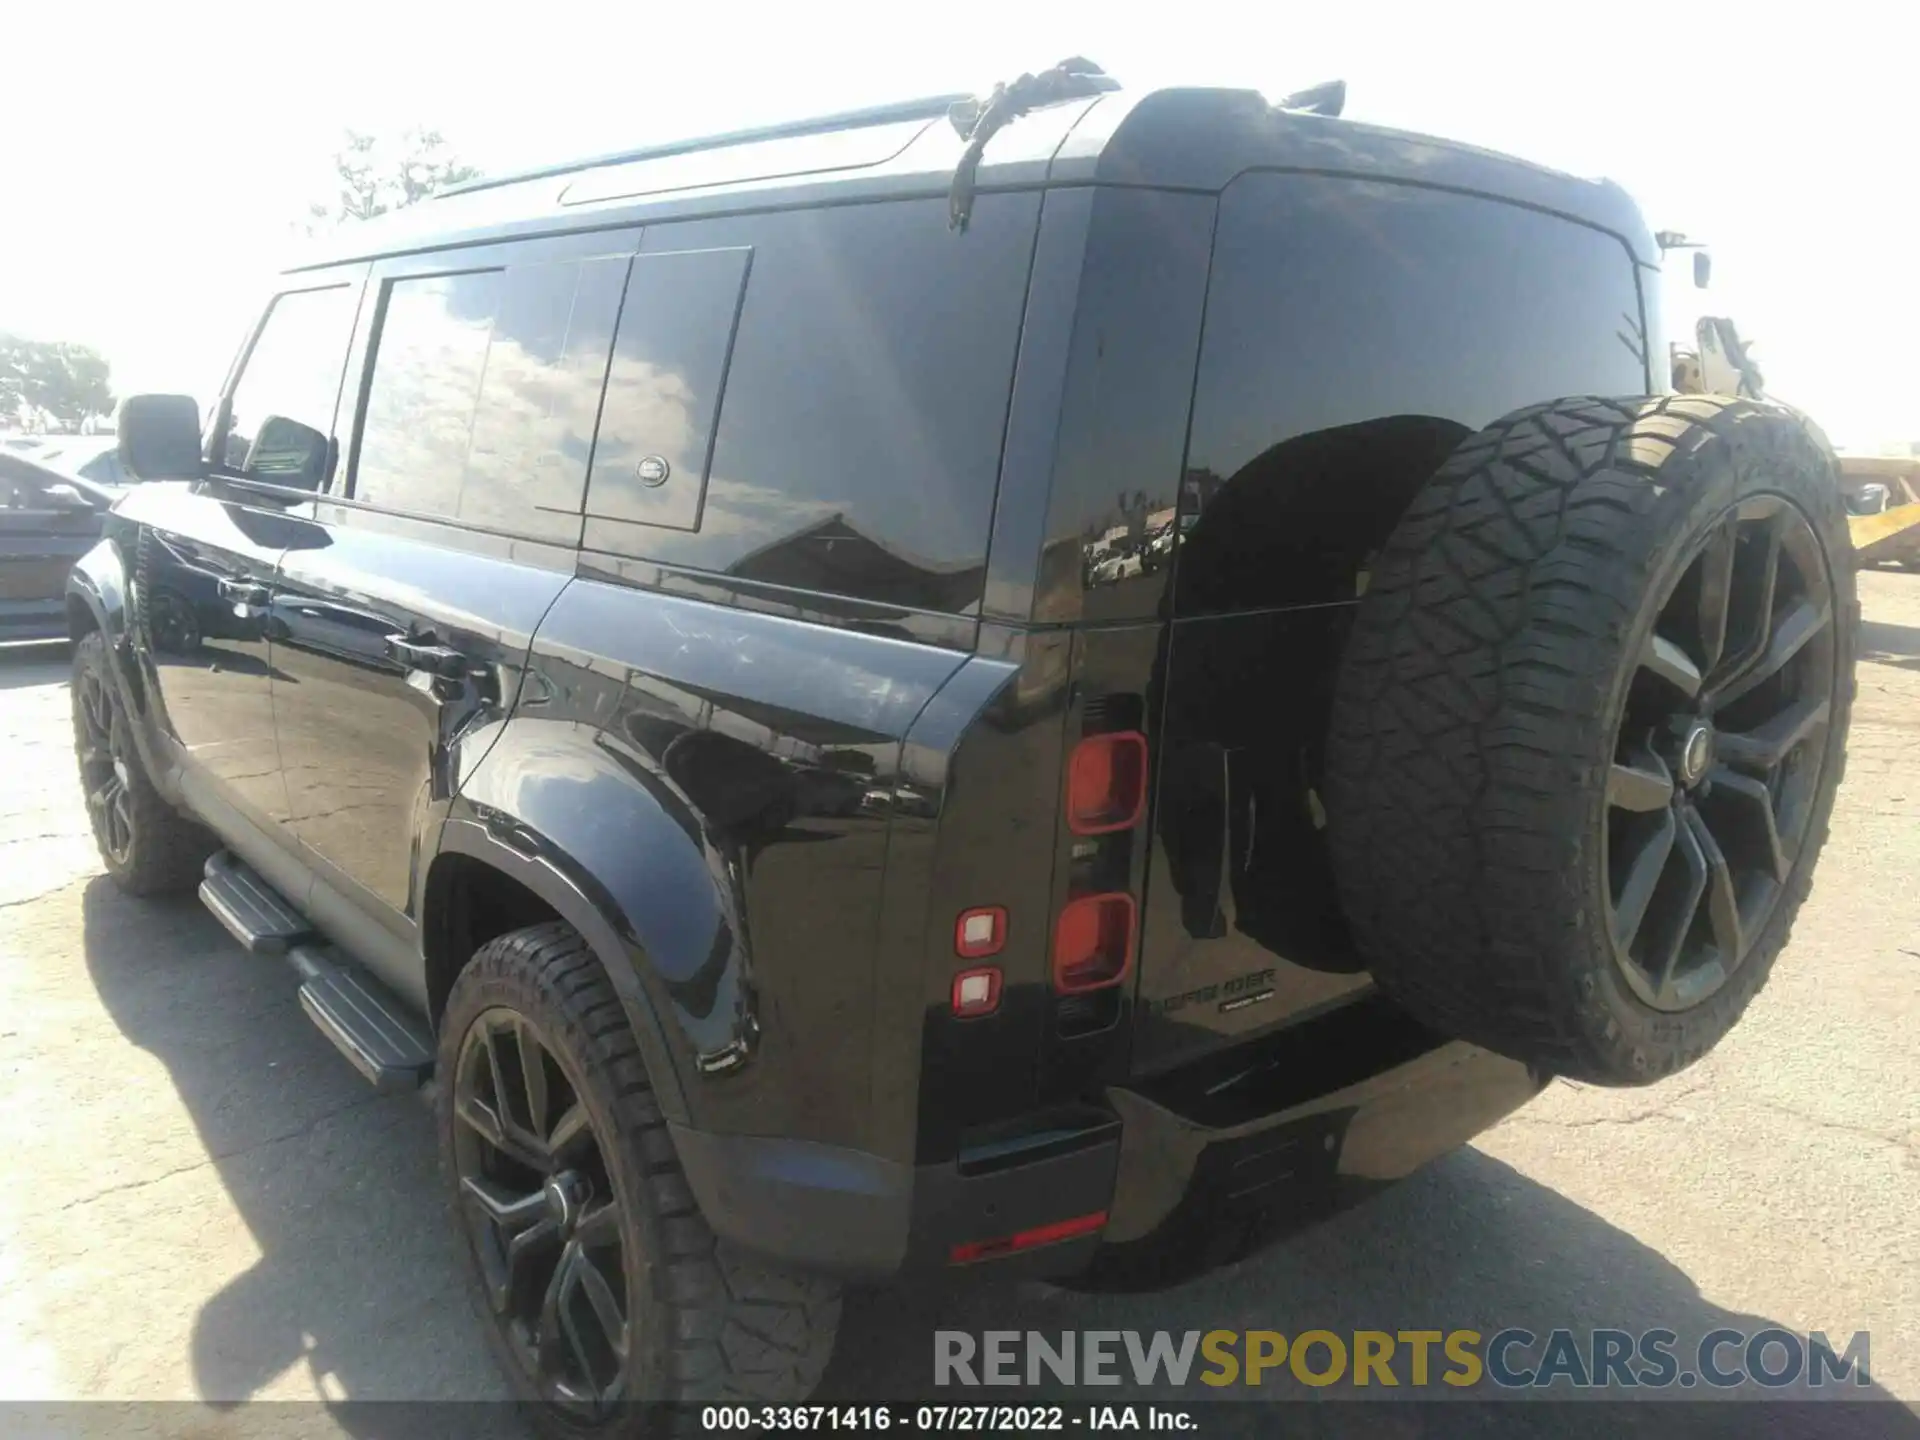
x=1187, y=139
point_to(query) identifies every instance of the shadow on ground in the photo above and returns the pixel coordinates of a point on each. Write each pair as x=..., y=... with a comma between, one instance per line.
x=1467, y=1243
x=358, y=1277
x=1886, y=644
x=25, y=663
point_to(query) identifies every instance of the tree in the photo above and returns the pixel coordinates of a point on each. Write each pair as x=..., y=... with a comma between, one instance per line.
x=52, y=381
x=374, y=175
x=13, y=378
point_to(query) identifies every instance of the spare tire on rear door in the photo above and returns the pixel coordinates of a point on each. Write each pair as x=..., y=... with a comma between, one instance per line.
x=1588, y=727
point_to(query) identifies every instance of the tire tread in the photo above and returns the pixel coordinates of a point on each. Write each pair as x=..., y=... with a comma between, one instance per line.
x=1468, y=733
x=170, y=848
x=733, y=1328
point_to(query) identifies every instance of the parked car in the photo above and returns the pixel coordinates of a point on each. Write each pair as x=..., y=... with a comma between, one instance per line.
x=91, y=457
x=47, y=521
x=540, y=708
x=1117, y=567
x=1157, y=549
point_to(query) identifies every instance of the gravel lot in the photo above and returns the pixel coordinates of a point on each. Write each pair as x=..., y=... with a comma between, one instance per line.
x=203, y=1202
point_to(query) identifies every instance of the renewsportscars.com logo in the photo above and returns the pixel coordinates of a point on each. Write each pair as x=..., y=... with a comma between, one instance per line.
x=1508, y=1359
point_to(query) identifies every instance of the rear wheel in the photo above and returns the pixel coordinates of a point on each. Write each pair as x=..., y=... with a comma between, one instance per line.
x=597, y=1278
x=147, y=846
x=1588, y=729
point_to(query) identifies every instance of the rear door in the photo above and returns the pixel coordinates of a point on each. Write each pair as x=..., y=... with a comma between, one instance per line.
x=400, y=641
x=45, y=526
x=1355, y=332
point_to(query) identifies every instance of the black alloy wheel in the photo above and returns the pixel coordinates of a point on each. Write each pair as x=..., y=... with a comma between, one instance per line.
x=105, y=768
x=1719, y=754
x=604, y=1294
x=147, y=845
x=541, y=1215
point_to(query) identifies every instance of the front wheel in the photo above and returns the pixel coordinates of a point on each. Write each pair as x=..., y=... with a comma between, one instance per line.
x=596, y=1276
x=1589, y=726
x=147, y=846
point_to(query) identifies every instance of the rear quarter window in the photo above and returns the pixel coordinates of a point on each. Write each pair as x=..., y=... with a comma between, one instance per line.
x=856, y=429
x=1355, y=332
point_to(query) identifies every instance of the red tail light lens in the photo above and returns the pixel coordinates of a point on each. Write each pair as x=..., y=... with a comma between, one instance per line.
x=1106, y=783
x=976, y=992
x=973, y=1250
x=1093, y=943
x=980, y=932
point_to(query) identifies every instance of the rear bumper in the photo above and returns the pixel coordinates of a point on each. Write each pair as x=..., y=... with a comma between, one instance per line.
x=1156, y=1166
x=848, y=1213
x=1296, y=1165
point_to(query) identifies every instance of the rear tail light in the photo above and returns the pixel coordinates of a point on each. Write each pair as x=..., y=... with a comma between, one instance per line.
x=1106, y=783
x=980, y=932
x=1093, y=943
x=976, y=992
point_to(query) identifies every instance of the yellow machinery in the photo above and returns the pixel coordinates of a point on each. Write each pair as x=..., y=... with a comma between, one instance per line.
x=1883, y=505
x=1882, y=491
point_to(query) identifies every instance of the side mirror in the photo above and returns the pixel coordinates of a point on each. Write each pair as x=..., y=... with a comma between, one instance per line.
x=160, y=437
x=288, y=453
x=1702, y=269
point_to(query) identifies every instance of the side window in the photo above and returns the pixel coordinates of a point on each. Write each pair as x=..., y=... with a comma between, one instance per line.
x=24, y=488
x=106, y=468
x=280, y=423
x=650, y=462
x=484, y=391
x=857, y=446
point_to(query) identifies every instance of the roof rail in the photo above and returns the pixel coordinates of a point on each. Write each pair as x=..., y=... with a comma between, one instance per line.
x=932, y=107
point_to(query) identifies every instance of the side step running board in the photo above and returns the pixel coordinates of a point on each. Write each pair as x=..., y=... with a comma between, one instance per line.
x=250, y=908
x=377, y=1033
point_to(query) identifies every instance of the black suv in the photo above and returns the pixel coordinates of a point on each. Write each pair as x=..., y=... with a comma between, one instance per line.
x=666, y=646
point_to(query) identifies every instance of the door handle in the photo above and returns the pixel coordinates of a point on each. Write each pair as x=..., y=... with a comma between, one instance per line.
x=244, y=592
x=441, y=660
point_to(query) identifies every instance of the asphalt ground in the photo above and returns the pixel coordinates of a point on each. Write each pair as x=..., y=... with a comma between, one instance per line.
x=201, y=1203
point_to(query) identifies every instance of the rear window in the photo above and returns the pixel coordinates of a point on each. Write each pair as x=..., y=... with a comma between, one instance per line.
x=1355, y=331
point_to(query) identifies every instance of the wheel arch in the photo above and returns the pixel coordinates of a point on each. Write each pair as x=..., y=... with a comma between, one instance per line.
x=545, y=877
x=97, y=594
x=99, y=598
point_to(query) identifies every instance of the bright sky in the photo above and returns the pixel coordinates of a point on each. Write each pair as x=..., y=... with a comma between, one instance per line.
x=158, y=155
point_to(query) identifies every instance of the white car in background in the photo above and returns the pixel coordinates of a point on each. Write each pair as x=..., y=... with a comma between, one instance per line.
x=91, y=457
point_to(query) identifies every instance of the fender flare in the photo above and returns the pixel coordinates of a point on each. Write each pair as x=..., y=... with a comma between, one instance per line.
x=98, y=580
x=577, y=900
